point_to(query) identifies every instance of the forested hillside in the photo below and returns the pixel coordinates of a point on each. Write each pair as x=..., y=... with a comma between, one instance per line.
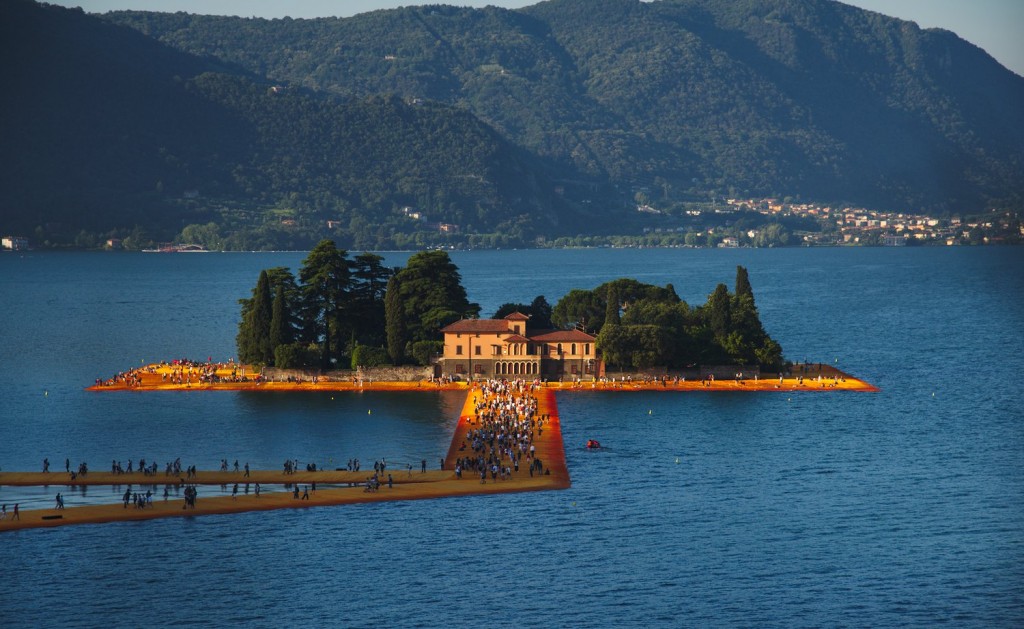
x=690, y=98
x=107, y=131
x=436, y=125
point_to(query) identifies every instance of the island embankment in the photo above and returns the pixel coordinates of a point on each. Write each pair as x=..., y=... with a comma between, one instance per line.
x=224, y=377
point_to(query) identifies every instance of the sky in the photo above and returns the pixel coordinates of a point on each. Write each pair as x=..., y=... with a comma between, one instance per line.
x=994, y=25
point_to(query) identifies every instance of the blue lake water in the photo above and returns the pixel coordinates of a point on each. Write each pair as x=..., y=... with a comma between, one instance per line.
x=903, y=507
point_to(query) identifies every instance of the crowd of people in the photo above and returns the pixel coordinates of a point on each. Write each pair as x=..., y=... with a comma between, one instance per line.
x=182, y=371
x=501, y=438
x=502, y=430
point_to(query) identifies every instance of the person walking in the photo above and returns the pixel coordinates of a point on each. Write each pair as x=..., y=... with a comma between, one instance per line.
x=16, y=515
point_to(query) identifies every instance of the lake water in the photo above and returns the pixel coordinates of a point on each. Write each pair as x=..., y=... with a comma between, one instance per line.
x=903, y=507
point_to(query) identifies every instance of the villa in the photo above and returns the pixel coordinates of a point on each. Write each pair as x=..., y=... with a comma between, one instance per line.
x=485, y=348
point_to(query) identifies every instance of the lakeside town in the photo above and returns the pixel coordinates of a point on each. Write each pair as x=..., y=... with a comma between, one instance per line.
x=726, y=224
x=860, y=226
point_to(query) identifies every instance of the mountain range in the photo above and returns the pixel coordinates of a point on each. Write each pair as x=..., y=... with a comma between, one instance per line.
x=504, y=124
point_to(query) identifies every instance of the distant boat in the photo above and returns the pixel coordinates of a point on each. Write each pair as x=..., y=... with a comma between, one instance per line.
x=593, y=444
x=178, y=249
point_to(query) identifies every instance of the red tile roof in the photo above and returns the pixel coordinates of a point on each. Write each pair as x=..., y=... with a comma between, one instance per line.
x=561, y=336
x=516, y=338
x=516, y=316
x=477, y=326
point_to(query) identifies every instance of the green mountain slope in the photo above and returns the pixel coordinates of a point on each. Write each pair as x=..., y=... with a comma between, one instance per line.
x=703, y=97
x=105, y=129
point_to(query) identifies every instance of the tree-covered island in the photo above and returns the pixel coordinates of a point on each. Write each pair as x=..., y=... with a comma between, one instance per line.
x=343, y=311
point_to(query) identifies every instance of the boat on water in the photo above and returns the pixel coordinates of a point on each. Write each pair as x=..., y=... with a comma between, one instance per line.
x=593, y=444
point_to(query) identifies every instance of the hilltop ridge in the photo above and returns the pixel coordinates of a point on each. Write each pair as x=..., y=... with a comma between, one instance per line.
x=575, y=111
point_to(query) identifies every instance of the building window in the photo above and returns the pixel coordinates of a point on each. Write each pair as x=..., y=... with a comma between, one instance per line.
x=559, y=349
x=586, y=349
x=476, y=350
x=460, y=368
x=516, y=328
x=478, y=368
x=458, y=350
x=574, y=369
x=573, y=349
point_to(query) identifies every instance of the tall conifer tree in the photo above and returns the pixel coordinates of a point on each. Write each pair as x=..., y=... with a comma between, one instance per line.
x=611, y=311
x=280, y=331
x=719, y=317
x=743, y=288
x=394, y=325
x=326, y=276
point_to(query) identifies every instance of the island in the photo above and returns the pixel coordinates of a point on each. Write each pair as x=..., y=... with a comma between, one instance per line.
x=413, y=329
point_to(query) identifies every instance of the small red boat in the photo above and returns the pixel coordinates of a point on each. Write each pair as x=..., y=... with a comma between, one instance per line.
x=593, y=444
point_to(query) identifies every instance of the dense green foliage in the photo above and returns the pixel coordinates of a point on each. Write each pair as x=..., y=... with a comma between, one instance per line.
x=352, y=312
x=690, y=97
x=545, y=125
x=105, y=129
x=657, y=328
x=538, y=311
x=319, y=321
x=431, y=296
x=394, y=322
x=332, y=316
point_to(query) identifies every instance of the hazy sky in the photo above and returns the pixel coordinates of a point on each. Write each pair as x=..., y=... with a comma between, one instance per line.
x=994, y=25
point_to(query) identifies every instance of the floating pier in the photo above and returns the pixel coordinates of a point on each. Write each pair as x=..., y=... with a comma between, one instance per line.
x=416, y=485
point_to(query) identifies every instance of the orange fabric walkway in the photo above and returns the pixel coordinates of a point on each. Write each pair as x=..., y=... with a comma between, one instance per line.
x=432, y=484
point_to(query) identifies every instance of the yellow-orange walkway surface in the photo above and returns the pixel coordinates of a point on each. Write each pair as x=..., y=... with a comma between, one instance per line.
x=414, y=486
x=159, y=377
x=432, y=484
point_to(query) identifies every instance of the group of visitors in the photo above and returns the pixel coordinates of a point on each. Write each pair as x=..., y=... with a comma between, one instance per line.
x=138, y=499
x=502, y=430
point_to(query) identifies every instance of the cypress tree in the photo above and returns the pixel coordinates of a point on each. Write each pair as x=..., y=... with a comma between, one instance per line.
x=394, y=323
x=279, y=331
x=743, y=288
x=719, y=317
x=540, y=314
x=611, y=310
x=254, y=329
x=262, y=313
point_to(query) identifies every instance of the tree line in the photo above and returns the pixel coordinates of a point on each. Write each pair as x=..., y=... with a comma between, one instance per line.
x=343, y=311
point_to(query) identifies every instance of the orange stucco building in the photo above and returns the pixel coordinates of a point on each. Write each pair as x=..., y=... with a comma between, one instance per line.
x=485, y=348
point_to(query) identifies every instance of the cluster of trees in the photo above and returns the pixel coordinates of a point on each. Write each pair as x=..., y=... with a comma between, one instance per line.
x=354, y=312
x=640, y=325
x=343, y=311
